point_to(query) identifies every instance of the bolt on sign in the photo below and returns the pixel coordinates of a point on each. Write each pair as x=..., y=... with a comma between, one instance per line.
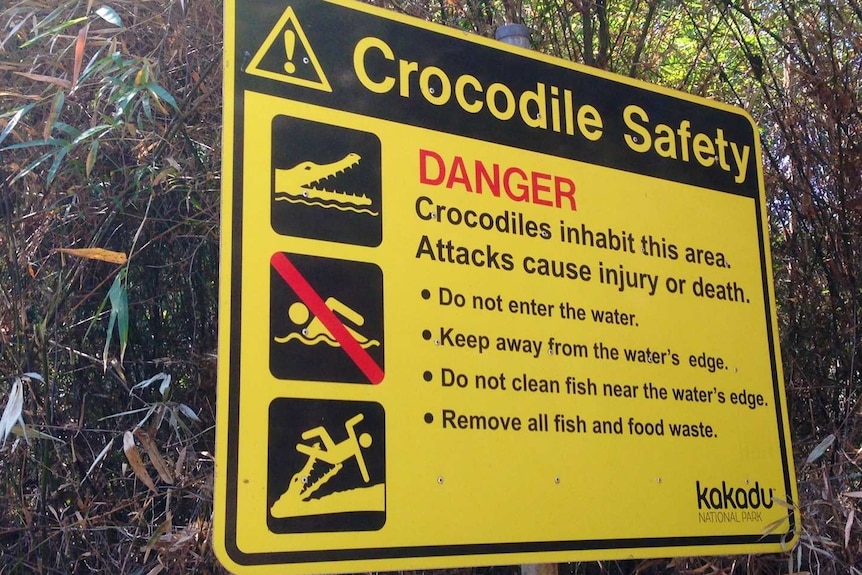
x=482, y=306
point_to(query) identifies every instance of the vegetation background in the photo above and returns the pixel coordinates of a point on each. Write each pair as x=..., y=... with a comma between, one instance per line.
x=110, y=121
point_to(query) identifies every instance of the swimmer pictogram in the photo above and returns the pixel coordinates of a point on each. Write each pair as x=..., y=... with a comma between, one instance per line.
x=326, y=182
x=314, y=332
x=326, y=319
x=326, y=465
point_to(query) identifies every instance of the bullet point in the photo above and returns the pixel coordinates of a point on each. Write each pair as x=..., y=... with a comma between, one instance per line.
x=426, y=334
x=427, y=376
x=429, y=418
x=426, y=294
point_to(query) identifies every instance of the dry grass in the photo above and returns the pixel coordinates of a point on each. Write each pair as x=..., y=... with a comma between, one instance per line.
x=128, y=119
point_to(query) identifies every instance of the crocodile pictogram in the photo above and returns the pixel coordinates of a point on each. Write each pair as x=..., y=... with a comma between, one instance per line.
x=304, y=183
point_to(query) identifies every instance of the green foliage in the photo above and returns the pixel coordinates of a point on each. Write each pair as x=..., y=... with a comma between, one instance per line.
x=119, y=316
x=109, y=120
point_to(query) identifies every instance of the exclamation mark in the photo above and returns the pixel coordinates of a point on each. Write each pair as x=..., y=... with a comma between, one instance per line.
x=289, y=46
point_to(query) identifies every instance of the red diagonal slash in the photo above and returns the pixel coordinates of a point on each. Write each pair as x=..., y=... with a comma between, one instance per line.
x=309, y=297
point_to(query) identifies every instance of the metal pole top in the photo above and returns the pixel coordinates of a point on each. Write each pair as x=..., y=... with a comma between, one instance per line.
x=514, y=34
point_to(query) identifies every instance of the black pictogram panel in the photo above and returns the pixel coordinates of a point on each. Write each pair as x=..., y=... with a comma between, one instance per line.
x=326, y=182
x=326, y=319
x=326, y=466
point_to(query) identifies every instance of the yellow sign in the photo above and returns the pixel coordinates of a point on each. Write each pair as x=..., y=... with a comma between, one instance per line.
x=481, y=306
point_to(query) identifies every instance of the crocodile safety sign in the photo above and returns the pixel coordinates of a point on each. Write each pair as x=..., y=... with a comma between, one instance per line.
x=482, y=306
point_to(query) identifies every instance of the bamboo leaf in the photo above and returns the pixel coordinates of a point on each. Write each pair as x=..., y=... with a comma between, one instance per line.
x=55, y=165
x=66, y=84
x=33, y=143
x=33, y=165
x=154, y=407
x=54, y=30
x=18, y=95
x=12, y=412
x=163, y=175
x=134, y=458
x=129, y=412
x=148, y=110
x=30, y=433
x=56, y=107
x=99, y=458
x=109, y=15
x=821, y=448
x=97, y=62
x=165, y=379
x=162, y=94
x=68, y=130
x=119, y=316
x=178, y=468
x=155, y=455
x=91, y=158
x=14, y=121
x=96, y=254
x=189, y=412
x=89, y=132
x=112, y=320
x=160, y=531
x=120, y=302
x=773, y=526
x=80, y=44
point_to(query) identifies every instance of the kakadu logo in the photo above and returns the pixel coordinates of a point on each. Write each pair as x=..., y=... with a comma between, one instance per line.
x=724, y=497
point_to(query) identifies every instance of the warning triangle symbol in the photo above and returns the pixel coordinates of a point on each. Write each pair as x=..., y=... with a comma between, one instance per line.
x=286, y=56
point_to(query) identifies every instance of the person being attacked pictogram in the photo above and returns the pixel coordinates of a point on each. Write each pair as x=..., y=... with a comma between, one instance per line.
x=337, y=453
x=327, y=459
